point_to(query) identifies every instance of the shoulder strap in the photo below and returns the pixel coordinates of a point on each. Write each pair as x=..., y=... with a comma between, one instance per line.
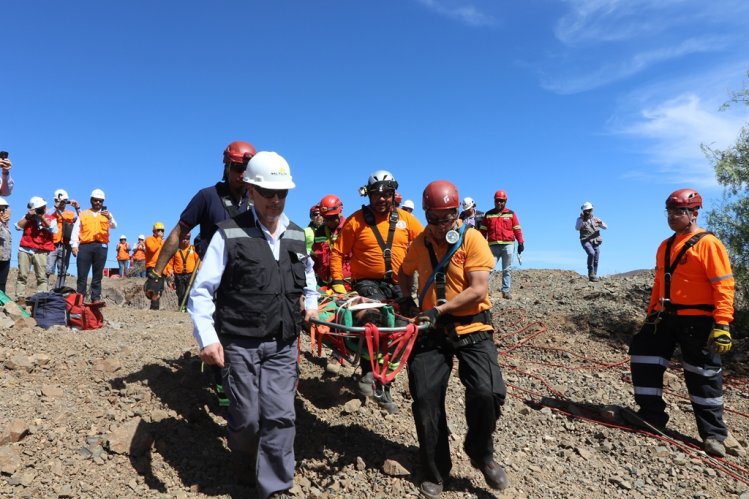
x=228, y=202
x=369, y=218
x=669, y=269
x=439, y=270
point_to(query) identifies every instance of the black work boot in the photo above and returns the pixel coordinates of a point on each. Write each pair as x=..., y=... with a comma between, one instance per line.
x=494, y=474
x=430, y=490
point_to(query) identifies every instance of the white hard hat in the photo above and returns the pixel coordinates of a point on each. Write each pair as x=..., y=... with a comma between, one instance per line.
x=269, y=170
x=36, y=202
x=3, y=202
x=61, y=194
x=98, y=194
x=587, y=205
x=468, y=203
x=123, y=236
x=141, y=236
x=408, y=204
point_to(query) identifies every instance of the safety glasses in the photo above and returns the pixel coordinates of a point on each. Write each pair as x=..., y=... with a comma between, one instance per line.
x=237, y=167
x=269, y=193
x=431, y=220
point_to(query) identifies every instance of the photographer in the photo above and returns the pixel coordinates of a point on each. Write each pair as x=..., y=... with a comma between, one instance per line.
x=6, y=181
x=90, y=243
x=590, y=237
x=5, y=243
x=36, y=243
x=59, y=259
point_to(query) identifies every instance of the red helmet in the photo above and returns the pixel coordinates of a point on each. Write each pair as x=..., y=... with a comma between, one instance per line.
x=440, y=195
x=398, y=199
x=684, y=198
x=500, y=194
x=314, y=210
x=239, y=152
x=330, y=205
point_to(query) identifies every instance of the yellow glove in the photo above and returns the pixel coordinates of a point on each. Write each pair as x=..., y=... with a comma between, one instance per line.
x=720, y=339
x=338, y=288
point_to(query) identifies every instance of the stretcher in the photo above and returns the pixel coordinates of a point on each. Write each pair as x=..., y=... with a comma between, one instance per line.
x=358, y=329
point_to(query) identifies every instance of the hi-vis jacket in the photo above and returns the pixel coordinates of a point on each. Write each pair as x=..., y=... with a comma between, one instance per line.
x=501, y=227
x=93, y=227
x=184, y=261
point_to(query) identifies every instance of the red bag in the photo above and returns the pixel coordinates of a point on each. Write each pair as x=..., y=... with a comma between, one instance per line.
x=82, y=315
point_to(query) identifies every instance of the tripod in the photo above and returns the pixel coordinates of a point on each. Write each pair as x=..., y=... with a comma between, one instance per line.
x=63, y=266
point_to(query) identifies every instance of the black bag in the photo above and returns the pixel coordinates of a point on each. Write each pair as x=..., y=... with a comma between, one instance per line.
x=48, y=309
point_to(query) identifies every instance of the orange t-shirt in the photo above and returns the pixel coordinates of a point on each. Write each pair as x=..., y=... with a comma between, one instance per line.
x=358, y=240
x=123, y=251
x=153, y=248
x=702, y=277
x=473, y=255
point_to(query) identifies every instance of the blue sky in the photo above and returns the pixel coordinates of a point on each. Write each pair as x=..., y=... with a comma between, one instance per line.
x=557, y=102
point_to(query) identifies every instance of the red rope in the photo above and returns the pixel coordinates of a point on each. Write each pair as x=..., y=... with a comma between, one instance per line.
x=397, y=346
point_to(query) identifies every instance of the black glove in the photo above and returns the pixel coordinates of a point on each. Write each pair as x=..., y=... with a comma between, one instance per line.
x=521, y=248
x=429, y=317
x=154, y=285
x=407, y=306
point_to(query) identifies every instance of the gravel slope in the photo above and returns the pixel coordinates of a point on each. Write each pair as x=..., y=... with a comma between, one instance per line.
x=125, y=411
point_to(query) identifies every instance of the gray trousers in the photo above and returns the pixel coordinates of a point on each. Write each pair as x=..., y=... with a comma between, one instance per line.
x=260, y=378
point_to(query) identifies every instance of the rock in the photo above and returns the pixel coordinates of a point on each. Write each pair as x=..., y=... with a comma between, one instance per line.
x=360, y=464
x=24, y=323
x=622, y=483
x=19, y=362
x=13, y=311
x=14, y=431
x=352, y=406
x=10, y=460
x=107, y=365
x=64, y=490
x=42, y=359
x=584, y=453
x=393, y=468
x=52, y=391
x=130, y=438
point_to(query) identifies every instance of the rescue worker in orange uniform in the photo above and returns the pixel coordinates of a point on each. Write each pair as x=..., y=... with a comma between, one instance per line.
x=331, y=210
x=376, y=237
x=123, y=256
x=181, y=266
x=453, y=261
x=90, y=243
x=691, y=305
x=139, y=257
x=153, y=248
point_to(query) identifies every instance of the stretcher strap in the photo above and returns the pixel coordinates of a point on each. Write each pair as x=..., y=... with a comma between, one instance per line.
x=398, y=346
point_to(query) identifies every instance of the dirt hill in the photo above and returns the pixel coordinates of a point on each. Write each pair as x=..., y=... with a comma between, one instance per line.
x=124, y=411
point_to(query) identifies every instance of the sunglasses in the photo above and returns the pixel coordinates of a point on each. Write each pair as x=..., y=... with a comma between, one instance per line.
x=237, y=167
x=440, y=221
x=269, y=193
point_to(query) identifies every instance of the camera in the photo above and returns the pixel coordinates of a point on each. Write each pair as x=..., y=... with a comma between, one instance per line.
x=65, y=201
x=39, y=211
x=103, y=208
x=3, y=154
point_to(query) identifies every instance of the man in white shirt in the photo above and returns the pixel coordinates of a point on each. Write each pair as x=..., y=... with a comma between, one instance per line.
x=258, y=269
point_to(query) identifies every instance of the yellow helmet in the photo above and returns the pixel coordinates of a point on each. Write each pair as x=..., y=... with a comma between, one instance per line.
x=158, y=226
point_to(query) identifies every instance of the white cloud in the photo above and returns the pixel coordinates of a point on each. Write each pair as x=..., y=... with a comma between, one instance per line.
x=609, y=73
x=674, y=129
x=613, y=20
x=461, y=11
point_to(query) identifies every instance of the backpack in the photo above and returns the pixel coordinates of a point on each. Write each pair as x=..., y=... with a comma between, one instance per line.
x=83, y=316
x=48, y=309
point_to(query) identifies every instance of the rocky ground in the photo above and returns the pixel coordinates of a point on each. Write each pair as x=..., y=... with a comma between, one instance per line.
x=124, y=411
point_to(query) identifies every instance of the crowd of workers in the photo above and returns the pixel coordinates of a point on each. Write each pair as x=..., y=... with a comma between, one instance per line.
x=261, y=275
